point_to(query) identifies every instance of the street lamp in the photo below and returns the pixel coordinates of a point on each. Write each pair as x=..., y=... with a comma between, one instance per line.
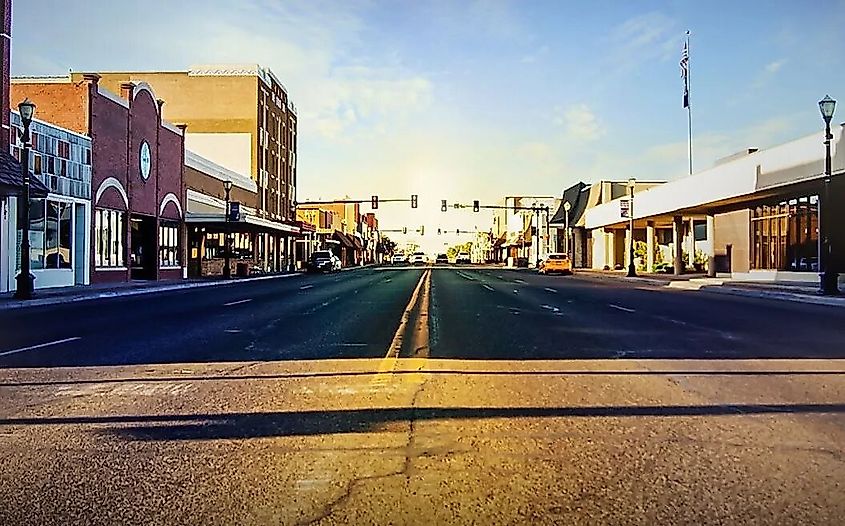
x=227, y=272
x=24, y=285
x=632, y=269
x=566, y=208
x=829, y=278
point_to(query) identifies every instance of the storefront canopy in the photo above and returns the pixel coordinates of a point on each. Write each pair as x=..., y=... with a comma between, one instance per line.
x=11, y=181
x=344, y=239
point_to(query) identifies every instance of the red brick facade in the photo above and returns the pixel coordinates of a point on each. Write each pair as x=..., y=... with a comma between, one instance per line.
x=151, y=193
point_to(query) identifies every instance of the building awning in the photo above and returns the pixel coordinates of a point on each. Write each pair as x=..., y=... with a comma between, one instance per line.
x=576, y=195
x=11, y=180
x=255, y=223
x=357, y=242
x=501, y=241
x=344, y=239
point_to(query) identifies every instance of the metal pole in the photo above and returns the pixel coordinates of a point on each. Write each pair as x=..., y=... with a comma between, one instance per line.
x=689, y=108
x=632, y=269
x=829, y=279
x=23, y=291
x=227, y=272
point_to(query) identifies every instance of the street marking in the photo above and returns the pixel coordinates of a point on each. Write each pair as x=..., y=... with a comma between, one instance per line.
x=515, y=291
x=306, y=287
x=550, y=307
x=619, y=307
x=233, y=331
x=351, y=344
x=519, y=281
x=40, y=345
x=390, y=360
x=488, y=287
x=236, y=302
x=549, y=289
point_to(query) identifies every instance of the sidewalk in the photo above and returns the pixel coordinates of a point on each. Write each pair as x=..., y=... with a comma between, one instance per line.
x=801, y=292
x=112, y=290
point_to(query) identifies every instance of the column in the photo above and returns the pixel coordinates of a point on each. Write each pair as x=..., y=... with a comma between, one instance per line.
x=610, y=253
x=678, y=243
x=691, y=249
x=649, y=242
x=711, y=245
x=628, y=240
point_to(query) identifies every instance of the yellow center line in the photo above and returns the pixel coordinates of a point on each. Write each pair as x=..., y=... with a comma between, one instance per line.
x=388, y=363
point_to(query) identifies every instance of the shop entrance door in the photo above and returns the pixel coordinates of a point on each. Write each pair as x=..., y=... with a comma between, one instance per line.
x=143, y=256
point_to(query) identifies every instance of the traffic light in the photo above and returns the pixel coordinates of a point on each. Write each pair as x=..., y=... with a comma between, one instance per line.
x=438, y=232
x=375, y=202
x=422, y=230
x=404, y=230
x=475, y=206
x=458, y=231
x=413, y=200
x=443, y=206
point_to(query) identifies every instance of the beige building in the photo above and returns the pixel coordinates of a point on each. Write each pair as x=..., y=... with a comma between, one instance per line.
x=241, y=118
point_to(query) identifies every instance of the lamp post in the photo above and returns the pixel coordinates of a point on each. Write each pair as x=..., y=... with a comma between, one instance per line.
x=632, y=269
x=829, y=278
x=227, y=272
x=24, y=285
x=566, y=208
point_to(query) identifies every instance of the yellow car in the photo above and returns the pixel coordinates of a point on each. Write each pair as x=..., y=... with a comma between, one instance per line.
x=556, y=263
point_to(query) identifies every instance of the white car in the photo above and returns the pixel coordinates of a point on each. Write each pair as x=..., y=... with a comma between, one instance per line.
x=418, y=258
x=399, y=259
x=462, y=258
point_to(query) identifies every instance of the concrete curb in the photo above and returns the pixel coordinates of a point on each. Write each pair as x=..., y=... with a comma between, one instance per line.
x=624, y=279
x=118, y=293
x=777, y=295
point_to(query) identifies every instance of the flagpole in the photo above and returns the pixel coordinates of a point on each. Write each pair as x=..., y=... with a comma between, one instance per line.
x=689, y=110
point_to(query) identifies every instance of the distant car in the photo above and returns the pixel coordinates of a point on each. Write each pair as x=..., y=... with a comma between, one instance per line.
x=442, y=259
x=399, y=259
x=556, y=264
x=323, y=261
x=418, y=258
x=463, y=258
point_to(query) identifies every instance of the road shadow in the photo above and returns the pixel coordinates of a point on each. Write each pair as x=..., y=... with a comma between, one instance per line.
x=231, y=426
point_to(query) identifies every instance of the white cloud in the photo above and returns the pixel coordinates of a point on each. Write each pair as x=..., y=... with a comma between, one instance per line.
x=774, y=67
x=580, y=123
x=642, y=38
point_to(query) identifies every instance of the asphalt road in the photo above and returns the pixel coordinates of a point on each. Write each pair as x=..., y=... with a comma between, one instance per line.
x=417, y=396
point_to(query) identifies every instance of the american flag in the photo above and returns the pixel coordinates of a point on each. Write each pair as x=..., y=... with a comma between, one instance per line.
x=685, y=72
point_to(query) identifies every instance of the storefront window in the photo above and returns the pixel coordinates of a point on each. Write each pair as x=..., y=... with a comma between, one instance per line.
x=109, y=242
x=168, y=245
x=36, y=234
x=785, y=235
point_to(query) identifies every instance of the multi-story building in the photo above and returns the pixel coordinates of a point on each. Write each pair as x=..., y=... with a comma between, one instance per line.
x=59, y=224
x=520, y=230
x=241, y=118
x=136, y=159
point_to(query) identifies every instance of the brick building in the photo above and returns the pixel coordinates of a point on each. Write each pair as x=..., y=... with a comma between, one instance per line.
x=241, y=118
x=137, y=230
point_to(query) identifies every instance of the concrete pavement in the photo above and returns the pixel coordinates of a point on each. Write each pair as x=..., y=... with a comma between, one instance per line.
x=453, y=396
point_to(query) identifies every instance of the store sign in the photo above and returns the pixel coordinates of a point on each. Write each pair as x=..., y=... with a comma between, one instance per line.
x=234, y=211
x=624, y=208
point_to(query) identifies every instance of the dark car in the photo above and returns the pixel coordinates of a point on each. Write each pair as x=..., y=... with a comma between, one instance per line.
x=442, y=259
x=323, y=261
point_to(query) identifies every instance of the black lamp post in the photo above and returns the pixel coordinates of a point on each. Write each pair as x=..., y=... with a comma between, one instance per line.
x=227, y=272
x=632, y=269
x=566, y=208
x=829, y=278
x=24, y=280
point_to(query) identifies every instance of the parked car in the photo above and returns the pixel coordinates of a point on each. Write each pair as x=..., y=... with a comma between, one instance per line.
x=418, y=258
x=323, y=261
x=463, y=258
x=399, y=259
x=442, y=259
x=556, y=263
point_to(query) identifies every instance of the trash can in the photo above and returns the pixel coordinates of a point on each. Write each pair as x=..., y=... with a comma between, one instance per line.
x=242, y=270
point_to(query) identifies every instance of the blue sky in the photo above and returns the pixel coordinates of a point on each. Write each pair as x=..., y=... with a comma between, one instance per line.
x=465, y=100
